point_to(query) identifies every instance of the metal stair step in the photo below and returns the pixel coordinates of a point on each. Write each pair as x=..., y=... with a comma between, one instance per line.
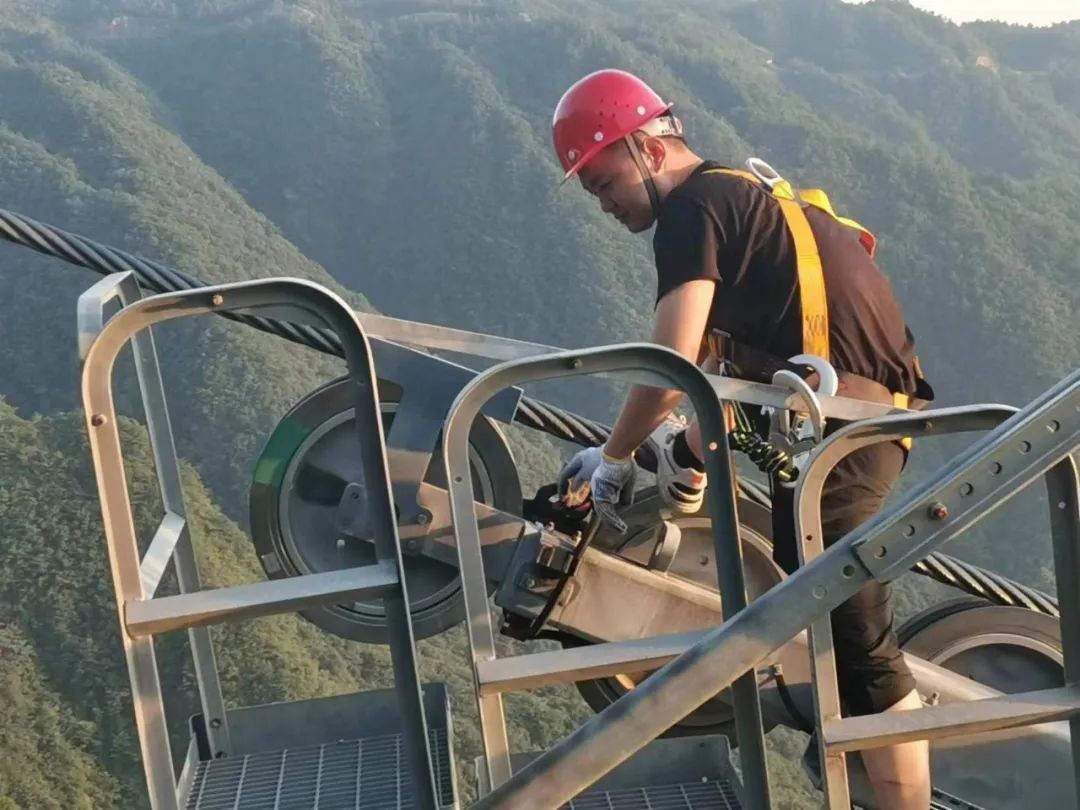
x=369, y=773
x=679, y=773
x=716, y=794
x=940, y=800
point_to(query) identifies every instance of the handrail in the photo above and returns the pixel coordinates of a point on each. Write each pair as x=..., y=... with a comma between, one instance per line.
x=303, y=302
x=808, y=529
x=646, y=364
x=978, y=480
x=172, y=538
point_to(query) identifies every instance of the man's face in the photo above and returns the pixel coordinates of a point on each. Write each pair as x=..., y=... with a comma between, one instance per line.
x=613, y=178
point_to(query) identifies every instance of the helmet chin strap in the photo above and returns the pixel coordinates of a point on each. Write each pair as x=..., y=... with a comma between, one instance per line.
x=658, y=127
x=646, y=175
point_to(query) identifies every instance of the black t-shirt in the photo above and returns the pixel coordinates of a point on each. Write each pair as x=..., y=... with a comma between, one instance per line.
x=723, y=228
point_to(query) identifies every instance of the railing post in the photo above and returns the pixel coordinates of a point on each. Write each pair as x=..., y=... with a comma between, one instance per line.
x=91, y=320
x=1063, y=490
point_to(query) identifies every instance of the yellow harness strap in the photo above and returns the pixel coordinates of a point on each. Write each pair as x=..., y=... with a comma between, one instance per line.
x=815, y=309
x=814, y=304
x=819, y=199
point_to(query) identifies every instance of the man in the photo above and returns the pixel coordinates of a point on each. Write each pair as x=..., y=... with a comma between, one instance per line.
x=725, y=253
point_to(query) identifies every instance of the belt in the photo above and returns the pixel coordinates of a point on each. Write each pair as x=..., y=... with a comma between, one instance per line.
x=752, y=363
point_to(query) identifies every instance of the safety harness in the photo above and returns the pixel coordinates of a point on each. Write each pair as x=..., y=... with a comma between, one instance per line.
x=750, y=362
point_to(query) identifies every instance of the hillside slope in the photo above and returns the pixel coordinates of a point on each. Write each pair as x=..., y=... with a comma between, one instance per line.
x=44, y=763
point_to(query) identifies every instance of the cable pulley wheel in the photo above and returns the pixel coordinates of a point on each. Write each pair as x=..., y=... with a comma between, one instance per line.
x=694, y=561
x=310, y=457
x=1011, y=649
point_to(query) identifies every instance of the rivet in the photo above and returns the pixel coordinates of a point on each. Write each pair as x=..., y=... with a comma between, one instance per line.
x=215, y=723
x=713, y=446
x=575, y=363
x=818, y=592
x=598, y=136
x=881, y=552
x=938, y=511
x=97, y=420
x=217, y=300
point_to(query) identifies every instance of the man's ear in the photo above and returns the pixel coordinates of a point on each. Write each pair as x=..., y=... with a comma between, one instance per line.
x=654, y=152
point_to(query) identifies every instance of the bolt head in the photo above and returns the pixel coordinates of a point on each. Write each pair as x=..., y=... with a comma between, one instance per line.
x=423, y=518
x=217, y=299
x=939, y=511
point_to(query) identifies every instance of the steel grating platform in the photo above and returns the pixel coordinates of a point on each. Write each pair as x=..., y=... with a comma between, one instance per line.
x=364, y=774
x=706, y=795
x=940, y=800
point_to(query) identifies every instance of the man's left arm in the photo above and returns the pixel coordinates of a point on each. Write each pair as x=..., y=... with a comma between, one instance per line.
x=681, y=318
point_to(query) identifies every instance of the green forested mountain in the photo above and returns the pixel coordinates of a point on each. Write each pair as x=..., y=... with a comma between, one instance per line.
x=398, y=151
x=45, y=763
x=61, y=659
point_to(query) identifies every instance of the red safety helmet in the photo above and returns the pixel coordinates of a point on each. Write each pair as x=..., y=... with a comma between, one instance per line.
x=598, y=110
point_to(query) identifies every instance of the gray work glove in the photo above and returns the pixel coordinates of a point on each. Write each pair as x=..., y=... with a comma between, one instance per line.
x=610, y=481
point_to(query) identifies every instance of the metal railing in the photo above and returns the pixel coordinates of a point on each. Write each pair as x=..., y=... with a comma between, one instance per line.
x=692, y=667
x=596, y=749
x=970, y=496
x=136, y=577
x=1011, y=455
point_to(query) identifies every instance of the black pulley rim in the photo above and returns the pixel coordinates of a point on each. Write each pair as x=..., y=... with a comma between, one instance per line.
x=300, y=476
x=1011, y=649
